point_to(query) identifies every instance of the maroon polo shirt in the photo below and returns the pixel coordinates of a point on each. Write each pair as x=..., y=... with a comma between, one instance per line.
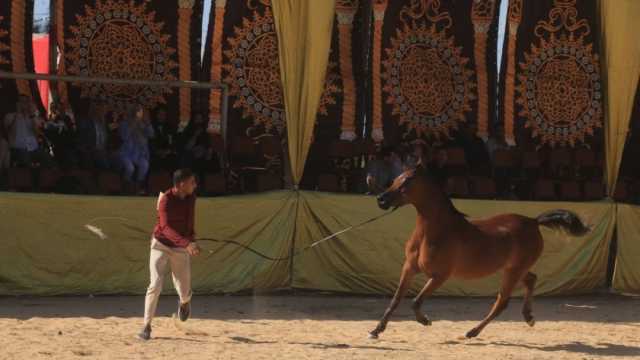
x=175, y=220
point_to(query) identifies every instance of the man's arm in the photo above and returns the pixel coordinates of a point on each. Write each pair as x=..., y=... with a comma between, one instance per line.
x=167, y=231
x=192, y=216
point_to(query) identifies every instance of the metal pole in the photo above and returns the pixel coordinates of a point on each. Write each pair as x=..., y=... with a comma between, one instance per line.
x=224, y=125
x=99, y=80
x=53, y=47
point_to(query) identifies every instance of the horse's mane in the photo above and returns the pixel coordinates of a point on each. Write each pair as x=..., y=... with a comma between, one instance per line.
x=434, y=181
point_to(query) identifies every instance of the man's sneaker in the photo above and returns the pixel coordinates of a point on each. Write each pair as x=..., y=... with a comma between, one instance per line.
x=184, y=310
x=145, y=334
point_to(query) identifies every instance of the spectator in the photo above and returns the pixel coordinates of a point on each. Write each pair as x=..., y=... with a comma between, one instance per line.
x=199, y=153
x=382, y=171
x=475, y=150
x=163, y=151
x=22, y=127
x=135, y=133
x=5, y=153
x=95, y=138
x=396, y=162
x=114, y=140
x=61, y=131
x=496, y=142
x=417, y=156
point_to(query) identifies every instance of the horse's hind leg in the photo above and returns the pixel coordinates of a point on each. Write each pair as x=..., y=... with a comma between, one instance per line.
x=509, y=281
x=529, y=284
x=432, y=285
x=405, y=281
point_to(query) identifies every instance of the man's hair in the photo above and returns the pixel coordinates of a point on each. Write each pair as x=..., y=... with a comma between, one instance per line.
x=181, y=175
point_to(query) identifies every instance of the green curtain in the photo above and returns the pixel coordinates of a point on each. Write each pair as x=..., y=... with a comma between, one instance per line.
x=620, y=29
x=626, y=277
x=368, y=260
x=47, y=250
x=304, y=29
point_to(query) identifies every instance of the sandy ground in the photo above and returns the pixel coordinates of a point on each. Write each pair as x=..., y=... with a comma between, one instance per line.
x=316, y=327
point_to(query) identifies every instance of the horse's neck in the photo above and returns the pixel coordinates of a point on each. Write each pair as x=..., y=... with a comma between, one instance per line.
x=436, y=211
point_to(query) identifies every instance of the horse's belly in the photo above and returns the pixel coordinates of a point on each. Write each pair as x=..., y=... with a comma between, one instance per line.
x=474, y=267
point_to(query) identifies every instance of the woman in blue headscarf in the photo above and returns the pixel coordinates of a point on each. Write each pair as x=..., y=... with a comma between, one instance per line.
x=135, y=133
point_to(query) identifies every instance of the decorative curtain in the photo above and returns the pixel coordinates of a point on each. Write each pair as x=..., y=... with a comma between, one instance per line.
x=341, y=111
x=620, y=29
x=16, y=51
x=553, y=93
x=242, y=51
x=432, y=69
x=304, y=34
x=129, y=39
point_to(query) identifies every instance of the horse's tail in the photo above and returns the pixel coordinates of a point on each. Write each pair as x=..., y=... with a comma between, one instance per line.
x=563, y=220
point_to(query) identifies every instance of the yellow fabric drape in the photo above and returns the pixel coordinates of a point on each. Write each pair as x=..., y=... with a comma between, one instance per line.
x=620, y=29
x=626, y=277
x=304, y=29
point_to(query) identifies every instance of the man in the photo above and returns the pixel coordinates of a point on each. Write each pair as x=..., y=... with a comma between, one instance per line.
x=22, y=127
x=163, y=154
x=172, y=245
x=135, y=133
x=94, y=137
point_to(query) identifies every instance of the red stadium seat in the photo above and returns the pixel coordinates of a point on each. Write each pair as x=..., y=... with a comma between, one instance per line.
x=268, y=182
x=159, y=181
x=544, y=190
x=48, y=179
x=570, y=191
x=328, y=183
x=109, y=183
x=457, y=186
x=484, y=188
x=593, y=190
x=215, y=184
x=20, y=179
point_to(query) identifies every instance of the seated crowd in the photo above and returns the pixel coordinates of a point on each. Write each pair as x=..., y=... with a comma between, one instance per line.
x=136, y=147
x=128, y=143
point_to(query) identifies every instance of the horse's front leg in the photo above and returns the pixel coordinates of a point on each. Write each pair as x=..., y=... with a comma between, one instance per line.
x=408, y=272
x=432, y=285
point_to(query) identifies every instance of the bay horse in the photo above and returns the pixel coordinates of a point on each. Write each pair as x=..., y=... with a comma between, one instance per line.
x=445, y=244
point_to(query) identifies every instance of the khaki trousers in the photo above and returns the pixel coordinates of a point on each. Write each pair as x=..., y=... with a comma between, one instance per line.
x=176, y=259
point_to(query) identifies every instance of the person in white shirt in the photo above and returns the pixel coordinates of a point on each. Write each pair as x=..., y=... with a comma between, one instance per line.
x=22, y=127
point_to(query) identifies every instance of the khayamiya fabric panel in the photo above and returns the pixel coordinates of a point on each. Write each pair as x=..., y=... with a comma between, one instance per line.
x=129, y=39
x=242, y=51
x=433, y=69
x=553, y=88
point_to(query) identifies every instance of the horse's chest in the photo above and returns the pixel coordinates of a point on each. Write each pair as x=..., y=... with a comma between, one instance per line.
x=426, y=252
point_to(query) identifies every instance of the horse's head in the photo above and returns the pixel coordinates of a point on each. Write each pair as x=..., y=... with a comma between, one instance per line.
x=405, y=187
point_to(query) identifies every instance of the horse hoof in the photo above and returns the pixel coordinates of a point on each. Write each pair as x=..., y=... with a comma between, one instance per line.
x=425, y=322
x=472, y=333
x=531, y=322
x=373, y=336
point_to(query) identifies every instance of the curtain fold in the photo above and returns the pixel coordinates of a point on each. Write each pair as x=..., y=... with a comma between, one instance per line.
x=304, y=30
x=622, y=68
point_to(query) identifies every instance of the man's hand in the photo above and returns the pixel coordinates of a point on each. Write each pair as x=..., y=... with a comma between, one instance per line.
x=193, y=249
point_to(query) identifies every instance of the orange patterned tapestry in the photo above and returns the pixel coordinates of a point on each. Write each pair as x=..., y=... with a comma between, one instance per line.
x=130, y=39
x=435, y=69
x=553, y=92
